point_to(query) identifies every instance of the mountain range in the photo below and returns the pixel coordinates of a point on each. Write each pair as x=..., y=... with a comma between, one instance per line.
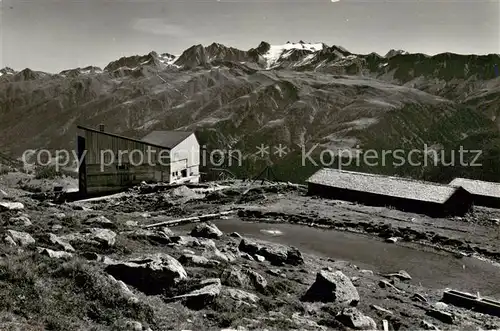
x=301, y=95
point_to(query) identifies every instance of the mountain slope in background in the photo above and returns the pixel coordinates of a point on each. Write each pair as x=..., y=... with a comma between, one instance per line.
x=299, y=95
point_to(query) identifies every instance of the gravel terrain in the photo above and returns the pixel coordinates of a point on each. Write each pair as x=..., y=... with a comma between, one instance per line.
x=271, y=263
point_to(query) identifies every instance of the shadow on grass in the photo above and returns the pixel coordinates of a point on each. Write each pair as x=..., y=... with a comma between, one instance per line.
x=64, y=295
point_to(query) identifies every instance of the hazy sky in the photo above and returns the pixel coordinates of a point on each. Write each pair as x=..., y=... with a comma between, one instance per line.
x=56, y=35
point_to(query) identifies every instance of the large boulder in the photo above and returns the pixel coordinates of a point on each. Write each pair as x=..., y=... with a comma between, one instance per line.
x=201, y=297
x=153, y=236
x=92, y=236
x=19, y=238
x=353, y=318
x=242, y=296
x=151, y=274
x=193, y=260
x=274, y=253
x=206, y=230
x=332, y=287
x=243, y=278
x=185, y=241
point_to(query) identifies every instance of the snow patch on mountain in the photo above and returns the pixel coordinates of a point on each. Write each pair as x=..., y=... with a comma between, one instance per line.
x=7, y=71
x=167, y=59
x=278, y=51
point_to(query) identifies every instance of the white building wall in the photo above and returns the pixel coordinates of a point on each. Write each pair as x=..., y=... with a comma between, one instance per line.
x=185, y=156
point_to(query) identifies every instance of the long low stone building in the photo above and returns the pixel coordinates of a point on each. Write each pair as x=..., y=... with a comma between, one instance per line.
x=483, y=193
x=377, y=190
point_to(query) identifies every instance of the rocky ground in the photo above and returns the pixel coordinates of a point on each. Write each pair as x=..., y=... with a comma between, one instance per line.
x=93, y=265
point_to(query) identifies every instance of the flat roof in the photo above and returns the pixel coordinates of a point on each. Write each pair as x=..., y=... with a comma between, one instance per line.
x=383, y=185
x=478, y=187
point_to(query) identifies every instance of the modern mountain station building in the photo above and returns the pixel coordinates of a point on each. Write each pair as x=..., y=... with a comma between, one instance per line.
x=111, y=163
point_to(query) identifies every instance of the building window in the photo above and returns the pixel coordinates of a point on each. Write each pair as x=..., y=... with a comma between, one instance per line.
x=184, y=173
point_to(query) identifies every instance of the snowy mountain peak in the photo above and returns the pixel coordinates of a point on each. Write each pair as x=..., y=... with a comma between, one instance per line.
x=275, y=52
x=7, y=71
x=394, y=52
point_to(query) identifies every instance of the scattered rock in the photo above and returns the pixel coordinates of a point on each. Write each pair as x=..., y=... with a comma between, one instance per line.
x=151, y=274
x=184, y=192
x=366, y=272
x=235, y=235
x=20, y=221
x=392, y=240
x=59, y=243
x=20, y=238
x=443, y=316
x=402, y=275
x=206, y=243
x=93, y=236
x=185, y=241
x=332, y=287
x=257, y=279
x=5, y=206
x=54, y=254
x=241, y=295
x=153, y=236
x=259, y=258
x=9, y=241
x=353, y=318
x=206, y=230
x=274, y=253
x=124, y=289
x=56, y=227
x=234, y=277
x=191, y=260
x=131, y=326
x=167, y=231
x=243, y=278
x=134, y=325
x=59, y=216
x=100, y=221
x=428, y=326
x=132, y=224
x=440, y=305
x=200, y=298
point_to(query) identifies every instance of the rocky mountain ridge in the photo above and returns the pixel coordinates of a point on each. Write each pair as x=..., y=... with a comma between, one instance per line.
x=296, y=94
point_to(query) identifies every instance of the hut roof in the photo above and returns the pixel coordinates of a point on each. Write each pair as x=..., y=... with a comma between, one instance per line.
x=383, y=185
x=478, y=187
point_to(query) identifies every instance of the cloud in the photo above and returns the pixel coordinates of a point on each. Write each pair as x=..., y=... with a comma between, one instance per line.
x=335, y=0
x=159, y=26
